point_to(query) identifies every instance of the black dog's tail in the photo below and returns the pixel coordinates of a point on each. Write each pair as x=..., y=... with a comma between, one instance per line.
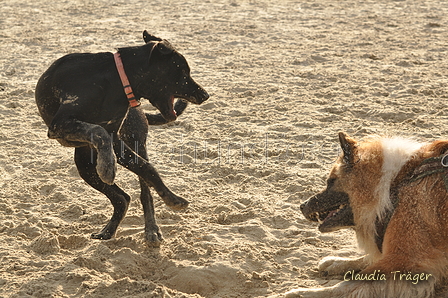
x=158, y=119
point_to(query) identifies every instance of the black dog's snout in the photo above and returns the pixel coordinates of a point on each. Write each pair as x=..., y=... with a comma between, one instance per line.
x=205, y=96
x=200, y=97
x=200, y=94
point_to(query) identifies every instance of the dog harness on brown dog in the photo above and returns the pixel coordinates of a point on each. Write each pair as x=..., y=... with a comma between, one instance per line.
x=429, y=166
x=433, y=165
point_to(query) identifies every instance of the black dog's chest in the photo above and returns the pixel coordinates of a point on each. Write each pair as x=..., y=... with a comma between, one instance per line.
x=112, y=125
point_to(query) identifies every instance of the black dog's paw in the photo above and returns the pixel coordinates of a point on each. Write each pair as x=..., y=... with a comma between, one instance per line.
x=101, y=236
x=106, y=167
x=175, y=202
x=107, y=233
x=153, y=239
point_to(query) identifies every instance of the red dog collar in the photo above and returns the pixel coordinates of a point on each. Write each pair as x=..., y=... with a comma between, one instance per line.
x=133, y=102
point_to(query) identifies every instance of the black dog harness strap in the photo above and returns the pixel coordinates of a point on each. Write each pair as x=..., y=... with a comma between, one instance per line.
x=381, y=225
x=429, y=166
x=433, y=165
x=133, y=102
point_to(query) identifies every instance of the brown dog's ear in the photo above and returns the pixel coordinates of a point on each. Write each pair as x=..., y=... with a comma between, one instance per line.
x=348, y=146
x=440, y=147
x=148, y=37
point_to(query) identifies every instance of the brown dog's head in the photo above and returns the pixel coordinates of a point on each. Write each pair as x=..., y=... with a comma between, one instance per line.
x=331, y=207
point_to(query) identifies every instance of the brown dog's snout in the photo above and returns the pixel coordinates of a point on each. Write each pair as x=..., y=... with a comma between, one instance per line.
x=302, y=207
x=305, y=209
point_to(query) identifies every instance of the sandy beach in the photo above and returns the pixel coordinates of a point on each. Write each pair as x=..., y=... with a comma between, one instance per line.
x=284, y=78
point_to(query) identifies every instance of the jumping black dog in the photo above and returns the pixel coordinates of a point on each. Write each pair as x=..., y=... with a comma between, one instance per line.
x=89, y=102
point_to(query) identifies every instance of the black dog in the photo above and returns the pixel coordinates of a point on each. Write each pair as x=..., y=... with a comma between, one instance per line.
x=82, y=101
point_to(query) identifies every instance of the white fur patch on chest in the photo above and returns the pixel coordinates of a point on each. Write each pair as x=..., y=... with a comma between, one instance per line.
x=396, y=152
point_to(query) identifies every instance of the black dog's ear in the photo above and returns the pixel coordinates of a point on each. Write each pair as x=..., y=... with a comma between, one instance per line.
x=148, y=37
x=160, y=47
x=165, y=47
x=348, y=146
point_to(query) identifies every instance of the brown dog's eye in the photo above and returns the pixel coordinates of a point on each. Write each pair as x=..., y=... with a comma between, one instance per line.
x=330, y=182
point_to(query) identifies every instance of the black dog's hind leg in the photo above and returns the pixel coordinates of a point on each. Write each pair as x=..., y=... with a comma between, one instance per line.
x=85, y=159
x=72, y=131
x=138, y=165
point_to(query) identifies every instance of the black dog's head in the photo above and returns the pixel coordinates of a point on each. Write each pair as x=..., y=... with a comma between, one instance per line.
x=164, y=76
x=331, y=207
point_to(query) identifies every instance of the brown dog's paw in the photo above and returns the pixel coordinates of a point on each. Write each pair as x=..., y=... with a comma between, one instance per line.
x=310, y=293
x=296, y=293
x=106, y=168
x=338, y=266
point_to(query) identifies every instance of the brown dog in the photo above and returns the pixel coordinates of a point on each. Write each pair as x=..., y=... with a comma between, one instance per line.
x=394, y=193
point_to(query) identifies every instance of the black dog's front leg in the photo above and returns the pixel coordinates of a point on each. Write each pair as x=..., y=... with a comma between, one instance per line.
x=72, y=132
x=152, y=230
x=158, y=119
x=133, y=162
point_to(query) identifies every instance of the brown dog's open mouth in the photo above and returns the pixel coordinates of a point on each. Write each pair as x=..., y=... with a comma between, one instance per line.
x=332, y=212
x=334, y=219
x=323, y=216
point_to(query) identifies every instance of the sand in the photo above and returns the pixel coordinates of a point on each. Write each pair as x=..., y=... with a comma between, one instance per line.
x=284, y=77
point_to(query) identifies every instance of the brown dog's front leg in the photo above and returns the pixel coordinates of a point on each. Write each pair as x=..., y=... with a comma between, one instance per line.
x=72, y=132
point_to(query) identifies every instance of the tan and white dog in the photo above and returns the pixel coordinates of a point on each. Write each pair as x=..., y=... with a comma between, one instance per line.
x=393, y=192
